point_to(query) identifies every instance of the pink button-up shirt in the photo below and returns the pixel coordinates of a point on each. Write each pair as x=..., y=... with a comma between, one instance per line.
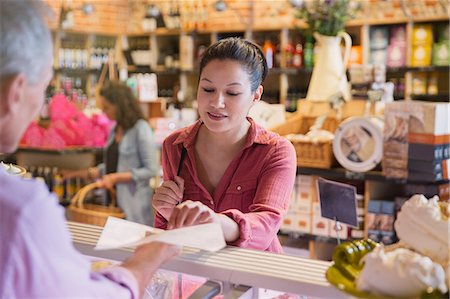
x=254, y=190
x=37, y=257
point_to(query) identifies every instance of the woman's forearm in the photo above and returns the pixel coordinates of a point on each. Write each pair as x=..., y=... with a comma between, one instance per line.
x=123, y=177
x=229, y=227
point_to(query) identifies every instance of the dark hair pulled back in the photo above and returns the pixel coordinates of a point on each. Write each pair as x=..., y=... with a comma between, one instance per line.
x=247, y=53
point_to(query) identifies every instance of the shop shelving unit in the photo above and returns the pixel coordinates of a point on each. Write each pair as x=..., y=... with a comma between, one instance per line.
x=252, y=20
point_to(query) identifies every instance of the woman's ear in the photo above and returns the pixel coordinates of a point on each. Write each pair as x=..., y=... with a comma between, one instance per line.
x=258, y=93
x=11, y=93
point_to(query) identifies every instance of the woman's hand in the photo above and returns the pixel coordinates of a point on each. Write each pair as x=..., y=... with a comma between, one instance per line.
x=191, y=213
x=167, y=196
x=108, y=181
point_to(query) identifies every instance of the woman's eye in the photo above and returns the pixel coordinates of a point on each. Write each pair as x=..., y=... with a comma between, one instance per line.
x=233, y=94
x=208, y=90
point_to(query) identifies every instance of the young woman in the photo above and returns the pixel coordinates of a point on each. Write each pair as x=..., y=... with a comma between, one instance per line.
x=225, y=168
x=129, y=156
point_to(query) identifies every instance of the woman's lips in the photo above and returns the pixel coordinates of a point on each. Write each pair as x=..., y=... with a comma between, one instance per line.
x=216, y=116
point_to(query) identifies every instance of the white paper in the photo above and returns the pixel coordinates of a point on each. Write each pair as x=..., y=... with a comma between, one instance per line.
x=119, y=233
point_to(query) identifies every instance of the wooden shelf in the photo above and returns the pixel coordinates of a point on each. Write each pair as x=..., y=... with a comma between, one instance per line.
x=440, y=97
x=86, y=31
x=79, y=71
x=341, y=173
x=431, y=68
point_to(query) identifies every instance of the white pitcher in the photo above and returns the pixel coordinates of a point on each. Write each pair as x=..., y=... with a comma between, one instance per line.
x=329, y=73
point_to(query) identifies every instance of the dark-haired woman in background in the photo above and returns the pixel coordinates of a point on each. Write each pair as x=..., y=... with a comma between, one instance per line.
x=129, y=156
x=234, y=172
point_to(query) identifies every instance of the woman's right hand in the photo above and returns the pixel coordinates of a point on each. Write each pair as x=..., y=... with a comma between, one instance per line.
x=167, y=196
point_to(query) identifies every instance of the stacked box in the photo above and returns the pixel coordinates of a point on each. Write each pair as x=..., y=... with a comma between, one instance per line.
x=304, y=185
x=380, y=221
x=373, y=209
x=396, y=51
x=417, y=141
x=395, y=146
x=358, y=232
x=429, y=143
x=378, y=44
x=386, y=217
x=441, y=49
x=298, y=217
x=422, y=42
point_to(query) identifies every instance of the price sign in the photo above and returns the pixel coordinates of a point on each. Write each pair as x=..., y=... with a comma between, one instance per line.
x=338, y=201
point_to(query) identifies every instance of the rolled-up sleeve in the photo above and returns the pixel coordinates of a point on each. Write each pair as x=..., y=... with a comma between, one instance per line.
x=260, y=225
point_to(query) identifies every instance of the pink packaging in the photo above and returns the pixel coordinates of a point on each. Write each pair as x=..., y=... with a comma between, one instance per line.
x=396, y=55
x=397, y=35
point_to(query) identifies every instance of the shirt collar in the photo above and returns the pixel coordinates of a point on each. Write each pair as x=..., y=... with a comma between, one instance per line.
x=256, y=134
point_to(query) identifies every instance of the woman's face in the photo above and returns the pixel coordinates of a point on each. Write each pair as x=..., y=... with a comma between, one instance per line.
x=109, y=109
x=224, y=95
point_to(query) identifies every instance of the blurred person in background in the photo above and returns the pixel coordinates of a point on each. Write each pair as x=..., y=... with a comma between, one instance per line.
x=37, y=257
x=129, y=157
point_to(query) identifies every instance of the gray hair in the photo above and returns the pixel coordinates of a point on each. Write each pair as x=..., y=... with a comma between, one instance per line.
x=25, y=40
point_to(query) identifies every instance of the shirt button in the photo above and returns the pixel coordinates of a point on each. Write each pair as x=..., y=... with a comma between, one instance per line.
x=238, y=188
x=211, y=202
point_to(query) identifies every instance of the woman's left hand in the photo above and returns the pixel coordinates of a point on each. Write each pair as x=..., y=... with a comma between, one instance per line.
x=190, y=213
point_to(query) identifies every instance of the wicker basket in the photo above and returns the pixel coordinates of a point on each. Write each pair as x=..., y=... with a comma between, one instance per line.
x=317, y=155
x=90, y=213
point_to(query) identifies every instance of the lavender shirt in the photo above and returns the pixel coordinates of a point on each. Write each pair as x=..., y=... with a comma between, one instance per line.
x=37, y=258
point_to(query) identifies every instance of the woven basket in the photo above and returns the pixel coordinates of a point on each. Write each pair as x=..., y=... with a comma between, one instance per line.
x=317, y=155
x=90, y=213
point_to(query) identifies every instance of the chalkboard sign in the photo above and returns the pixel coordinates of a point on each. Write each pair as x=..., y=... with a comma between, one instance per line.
x=338, y=201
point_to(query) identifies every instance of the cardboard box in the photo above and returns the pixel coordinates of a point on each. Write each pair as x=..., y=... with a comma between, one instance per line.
x=378, y=56
x=378, y=37
x=427, y=177
x=386, y=216
x=429, y=118
x=305, y=180
x=397, y=35
x=388, y=237
x=421, y=56
x=316, y=211
x=303, y=223
x=441, y=53
x=428, y=152
x=422, y=35
x=320, y=226
x=434, y=166
x=396, y=55
x=304, y=206
x=287, y=225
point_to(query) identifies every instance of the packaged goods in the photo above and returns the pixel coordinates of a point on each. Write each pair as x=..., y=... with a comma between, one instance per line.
x=379, y=37
x=422, y=35
x=358, y=143
x=421, y=56
x=441, y=53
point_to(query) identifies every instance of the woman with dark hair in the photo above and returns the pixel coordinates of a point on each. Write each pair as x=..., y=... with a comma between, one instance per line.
x=225, y=168
x=129, y=156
